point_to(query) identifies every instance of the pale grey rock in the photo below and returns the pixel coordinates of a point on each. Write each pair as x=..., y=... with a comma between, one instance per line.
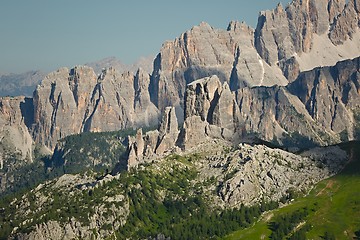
x=307, y=34
x=335, y=8
x=204, y=51
x=168, y=131
x=331, y=95
x=223, y=114
x=346, y=24
x=74, y=101
x=318, y=106
x=201, y=95
x=136, y=149
x=193, y=132
x=60, y=103
x=210, y=110
x=16, y=143
x=249, y=174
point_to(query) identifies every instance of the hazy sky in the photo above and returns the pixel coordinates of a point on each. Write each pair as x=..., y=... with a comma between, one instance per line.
x=48, y=34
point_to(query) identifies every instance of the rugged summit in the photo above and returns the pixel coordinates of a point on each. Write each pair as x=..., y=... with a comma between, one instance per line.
x=308, y=34
x=320, y=107
x=142, y=147
x=73, y=101
x=204, y=51
x=286, y=42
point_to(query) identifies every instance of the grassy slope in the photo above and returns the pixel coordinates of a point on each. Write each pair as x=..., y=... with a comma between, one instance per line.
x=334, y=204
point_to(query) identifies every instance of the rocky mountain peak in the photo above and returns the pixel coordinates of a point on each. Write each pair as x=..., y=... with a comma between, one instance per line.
x=308, y=34
x=77, y=100
x=240, y=28
x=203, y=26
x=279, y=9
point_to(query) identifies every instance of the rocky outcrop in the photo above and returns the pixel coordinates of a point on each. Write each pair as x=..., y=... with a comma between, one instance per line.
x=319, y=105
x=168, y=131
x=286, y=42
x=16, y=144
x=210, y=112
x=222, y=84
x=316, y=109
x=249, y=174
x=143, y=147
x=75, y=101
x=60, y=102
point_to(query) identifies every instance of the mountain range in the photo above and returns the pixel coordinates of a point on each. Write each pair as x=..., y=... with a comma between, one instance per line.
x=293, y=82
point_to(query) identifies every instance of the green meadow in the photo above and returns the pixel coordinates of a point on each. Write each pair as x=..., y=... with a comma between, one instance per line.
x=332, y=209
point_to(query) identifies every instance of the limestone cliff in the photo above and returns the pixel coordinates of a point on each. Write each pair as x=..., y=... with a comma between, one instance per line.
x=204, y=51
x=16, y=144
x=331, y=96
x=73, y=101
x=318, y=108
x=308, y=34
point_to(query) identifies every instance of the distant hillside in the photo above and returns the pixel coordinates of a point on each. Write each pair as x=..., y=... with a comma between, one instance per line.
x=22, y=84
x=145, y=63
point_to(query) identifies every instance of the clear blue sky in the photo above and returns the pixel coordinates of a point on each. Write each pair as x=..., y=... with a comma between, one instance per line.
x=48, y=34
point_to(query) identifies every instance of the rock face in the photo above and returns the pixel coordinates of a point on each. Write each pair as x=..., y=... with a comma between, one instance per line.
x=203, y=51
x=346, y=23
x=308, y=34
x=303, y=36
x=318, y=108
x=250, y=93
x=16, y=144
x=331, y=96
x=210, y=111
x=213, y=111
x=70, y=102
